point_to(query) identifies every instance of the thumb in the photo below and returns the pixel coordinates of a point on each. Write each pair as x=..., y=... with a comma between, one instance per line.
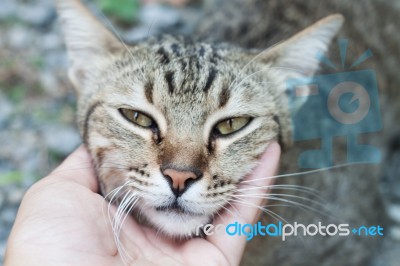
x=78, y=168
x=246, y=209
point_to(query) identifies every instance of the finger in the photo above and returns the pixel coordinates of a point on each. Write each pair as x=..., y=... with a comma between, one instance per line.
x=77, y=167
x=247, y=211
x=256, y=185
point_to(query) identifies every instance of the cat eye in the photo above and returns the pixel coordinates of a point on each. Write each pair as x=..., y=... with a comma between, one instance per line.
x=231, y=125
x=137, y=117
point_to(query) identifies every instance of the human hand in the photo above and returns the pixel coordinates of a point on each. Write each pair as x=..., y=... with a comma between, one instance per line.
x=61, y=221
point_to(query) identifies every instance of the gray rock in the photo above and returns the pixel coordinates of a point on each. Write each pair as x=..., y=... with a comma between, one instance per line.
x=6, y=109
x=18, y=144
x=7, y=216
x=19, y=37
x=60, y=138
x=50, y=83
x=24, y=150
x=159, y=16
x=2, y=252
x=36, y=15
x=51, y=41
x=8, y=9
x=15, y=195
x=2, y=198
x=56, y=59
x=153, y=19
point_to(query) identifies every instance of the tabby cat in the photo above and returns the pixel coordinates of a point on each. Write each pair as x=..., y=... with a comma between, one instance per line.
x=178, y=121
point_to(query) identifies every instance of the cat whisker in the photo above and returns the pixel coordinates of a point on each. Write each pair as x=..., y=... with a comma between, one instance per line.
x=236, y=214
x=158, y=233
x=132, y=202
x=125, y=207
x=257, y=83
x=116, y=190
x=112, y=167
x=150, y=27
x=302, y=189
x=122, y=213
x=142, y=209
x=236, y=199
x=250, y=62
x=274, y=215
x=281, y=186
x=304, y=172
x=114, y=195
x=117, y=164
x=263, y=70
x=222, y=207
x=261, y=196
x=295, y=203
x=117, y=215
x=89, y=166
x=113, y=30
x=233, y=207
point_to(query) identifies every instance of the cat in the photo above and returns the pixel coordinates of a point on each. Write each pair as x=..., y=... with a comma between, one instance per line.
x=173, y=123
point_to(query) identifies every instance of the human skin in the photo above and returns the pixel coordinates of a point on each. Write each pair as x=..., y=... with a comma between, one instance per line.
x=62, y=221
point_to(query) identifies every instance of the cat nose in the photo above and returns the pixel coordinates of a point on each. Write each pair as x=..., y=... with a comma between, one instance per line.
x=179, y=181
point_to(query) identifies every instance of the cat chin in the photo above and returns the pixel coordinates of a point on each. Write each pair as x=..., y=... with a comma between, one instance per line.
x=177, y=225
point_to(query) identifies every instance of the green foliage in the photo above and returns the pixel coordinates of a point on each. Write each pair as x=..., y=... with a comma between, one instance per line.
x=11, y=177
x=55, y=156
x=36, y=62
x=123, y=11
x=17, y=93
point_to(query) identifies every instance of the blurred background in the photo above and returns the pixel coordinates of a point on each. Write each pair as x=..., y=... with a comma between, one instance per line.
x=37, y=102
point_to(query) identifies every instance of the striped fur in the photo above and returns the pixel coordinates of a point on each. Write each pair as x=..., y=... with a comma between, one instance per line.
x=186, y=87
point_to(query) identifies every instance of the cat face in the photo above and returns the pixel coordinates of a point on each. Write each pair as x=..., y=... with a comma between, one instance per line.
x=174, y=125
x=156, y=118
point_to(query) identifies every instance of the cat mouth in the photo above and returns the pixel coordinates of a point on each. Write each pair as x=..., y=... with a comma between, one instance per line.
x=176, y=208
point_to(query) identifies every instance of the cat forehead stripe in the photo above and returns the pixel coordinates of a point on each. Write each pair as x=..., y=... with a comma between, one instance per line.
x=169, y=78
x=211, y=76
x=148, y=91
x=164, y=58
x=224, y=97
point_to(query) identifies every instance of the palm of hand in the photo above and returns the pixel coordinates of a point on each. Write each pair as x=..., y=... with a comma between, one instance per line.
x=63, y=221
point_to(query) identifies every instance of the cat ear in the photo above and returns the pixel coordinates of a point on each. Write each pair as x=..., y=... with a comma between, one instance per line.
x=88, y=41
x=298, y=56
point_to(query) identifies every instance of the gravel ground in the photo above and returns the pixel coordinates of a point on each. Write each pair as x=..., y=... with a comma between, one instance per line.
x=37, y=127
